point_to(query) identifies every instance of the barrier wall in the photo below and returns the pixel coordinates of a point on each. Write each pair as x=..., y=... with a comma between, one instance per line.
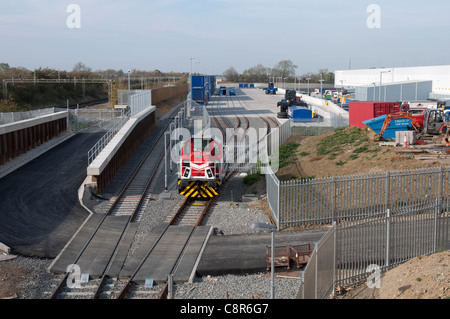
x=20, y=137
x=122, y=146
x=162, y=94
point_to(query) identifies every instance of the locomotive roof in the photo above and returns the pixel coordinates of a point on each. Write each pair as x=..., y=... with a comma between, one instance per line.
x=207, y=136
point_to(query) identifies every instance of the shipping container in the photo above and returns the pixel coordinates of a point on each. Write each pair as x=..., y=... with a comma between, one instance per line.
x=198, y=95
x=245, y=85
x=241, y=85
x=252, y=86
x=300, y=114
x=365, y=110
x=198, y=81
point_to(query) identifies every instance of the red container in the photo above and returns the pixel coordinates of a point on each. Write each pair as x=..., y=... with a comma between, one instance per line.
x=362, y=111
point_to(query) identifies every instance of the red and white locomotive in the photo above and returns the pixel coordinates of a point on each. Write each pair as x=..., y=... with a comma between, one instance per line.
x=201, y=168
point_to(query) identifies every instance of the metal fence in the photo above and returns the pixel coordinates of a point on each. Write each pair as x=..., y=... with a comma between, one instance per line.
x=11, y=117
x=317, y=280
x=389, y=240
x=345, y=198
x=351, y=251
x=140, y=100
x=83, y=118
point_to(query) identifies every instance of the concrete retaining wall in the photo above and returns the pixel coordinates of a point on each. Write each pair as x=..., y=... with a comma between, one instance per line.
x=20, y=137
x=121, y=147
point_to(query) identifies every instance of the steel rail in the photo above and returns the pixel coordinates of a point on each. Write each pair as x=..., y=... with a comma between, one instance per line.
x=175, y=218
x=110, y=210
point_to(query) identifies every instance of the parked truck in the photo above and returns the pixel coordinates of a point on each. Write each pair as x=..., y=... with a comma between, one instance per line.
x=271, y=89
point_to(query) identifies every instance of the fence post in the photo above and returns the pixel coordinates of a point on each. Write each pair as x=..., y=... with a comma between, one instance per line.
x=333, y=202
x=334, y=257
x=316, y=269
x=387, y=190
x=388, y=217
x=438, y=208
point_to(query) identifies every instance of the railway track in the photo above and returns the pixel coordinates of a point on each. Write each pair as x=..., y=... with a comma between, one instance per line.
x=191, y=213
x=128, y=204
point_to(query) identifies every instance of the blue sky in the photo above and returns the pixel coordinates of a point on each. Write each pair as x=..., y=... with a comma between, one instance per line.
x=164, y=34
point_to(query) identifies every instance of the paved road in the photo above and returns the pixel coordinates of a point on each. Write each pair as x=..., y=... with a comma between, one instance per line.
x=241, y=254
x=39, y=206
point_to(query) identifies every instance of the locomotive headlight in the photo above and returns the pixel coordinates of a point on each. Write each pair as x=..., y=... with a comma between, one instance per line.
x=187, y=173
x=209, y=174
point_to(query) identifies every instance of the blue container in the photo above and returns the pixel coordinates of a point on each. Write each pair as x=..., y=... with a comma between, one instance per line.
x=198, y=95
x=198, y=81
x=252, y=86
x=241, y=85
x=245, y=85
x=396, y=125
x=300, y=113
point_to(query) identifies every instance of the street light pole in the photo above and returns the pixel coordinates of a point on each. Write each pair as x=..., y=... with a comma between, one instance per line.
x=381, y=76
x=272, y=228
x=321, y=93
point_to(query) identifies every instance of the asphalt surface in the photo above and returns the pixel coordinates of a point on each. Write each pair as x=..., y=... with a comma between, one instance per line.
x=242, y=254
x=39, y=209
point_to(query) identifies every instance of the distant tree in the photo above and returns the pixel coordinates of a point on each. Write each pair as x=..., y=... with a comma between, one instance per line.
x=9, y=105
x=81, y=67
x=4, y=66
x=231, y=74
x=285, y=69
x=258, y=73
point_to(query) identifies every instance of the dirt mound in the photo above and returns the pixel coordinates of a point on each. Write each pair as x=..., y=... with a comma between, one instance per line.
x=347, y=151
x=423, y=277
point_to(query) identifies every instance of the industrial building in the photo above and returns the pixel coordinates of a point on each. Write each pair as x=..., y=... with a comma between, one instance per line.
x=397, y=84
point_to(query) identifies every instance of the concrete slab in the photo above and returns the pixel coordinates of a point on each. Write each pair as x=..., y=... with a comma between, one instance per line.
x=69, y=253
x=165, y=195
x=7, y=257
x=133, y=263
x=100, y=250
x=122, y=253
x=186, y=270
x=163, y=258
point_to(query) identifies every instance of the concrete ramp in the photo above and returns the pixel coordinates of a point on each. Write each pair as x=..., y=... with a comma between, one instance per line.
x=162, y=260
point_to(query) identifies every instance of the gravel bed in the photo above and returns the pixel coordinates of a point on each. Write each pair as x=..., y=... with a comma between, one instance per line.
x=33, y=281
x=237, y=287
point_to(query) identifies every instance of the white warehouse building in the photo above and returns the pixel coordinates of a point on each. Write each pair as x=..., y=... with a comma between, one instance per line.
x=410, y=83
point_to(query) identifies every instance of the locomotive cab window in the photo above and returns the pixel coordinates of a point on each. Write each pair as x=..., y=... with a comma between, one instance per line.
x=200, y=145
x=187, y=148
x=215, y=149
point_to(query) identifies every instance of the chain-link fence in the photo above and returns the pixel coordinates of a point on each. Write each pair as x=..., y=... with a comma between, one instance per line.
x=11, y=117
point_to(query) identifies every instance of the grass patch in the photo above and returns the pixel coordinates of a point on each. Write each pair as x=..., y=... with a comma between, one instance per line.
x=361, y=149
x=340, y=163
x=304, y=154
x=340, y=138
x=252, y=178
x=286, y=152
